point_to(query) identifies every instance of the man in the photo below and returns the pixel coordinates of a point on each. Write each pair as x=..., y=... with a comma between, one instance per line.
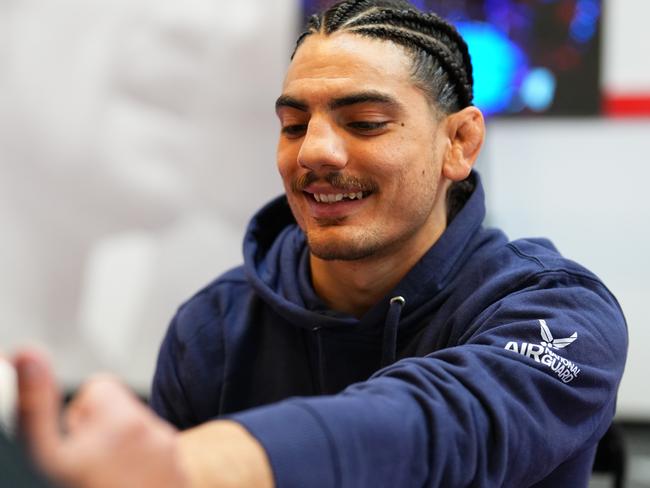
x=377, y=334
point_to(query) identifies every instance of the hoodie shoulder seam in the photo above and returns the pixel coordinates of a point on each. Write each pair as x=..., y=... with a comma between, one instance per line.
x=547, y=270
x=525, y=256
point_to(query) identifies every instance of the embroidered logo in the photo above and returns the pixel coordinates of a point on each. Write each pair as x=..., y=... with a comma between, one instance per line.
x=545, y=353
x=555, y=343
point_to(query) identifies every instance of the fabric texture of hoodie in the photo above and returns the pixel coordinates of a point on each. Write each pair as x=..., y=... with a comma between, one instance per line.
x=492, y=363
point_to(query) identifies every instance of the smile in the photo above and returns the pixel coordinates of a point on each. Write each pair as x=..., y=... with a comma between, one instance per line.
x=337, y=197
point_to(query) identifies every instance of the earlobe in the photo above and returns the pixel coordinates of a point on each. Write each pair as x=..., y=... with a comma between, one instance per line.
x=466, y=132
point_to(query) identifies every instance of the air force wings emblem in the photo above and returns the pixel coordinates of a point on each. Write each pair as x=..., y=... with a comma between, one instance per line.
x=548, y=340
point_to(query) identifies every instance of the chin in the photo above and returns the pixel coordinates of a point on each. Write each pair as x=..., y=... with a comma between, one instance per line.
x=337, y=249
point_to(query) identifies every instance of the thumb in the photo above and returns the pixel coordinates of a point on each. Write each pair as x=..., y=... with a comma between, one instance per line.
x=39, y=407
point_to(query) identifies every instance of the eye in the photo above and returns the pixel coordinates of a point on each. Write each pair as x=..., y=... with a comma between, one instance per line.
x=294, y=130
x=367, y=126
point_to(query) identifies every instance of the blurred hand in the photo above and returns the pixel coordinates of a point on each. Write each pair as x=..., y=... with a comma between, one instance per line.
x=105, y=439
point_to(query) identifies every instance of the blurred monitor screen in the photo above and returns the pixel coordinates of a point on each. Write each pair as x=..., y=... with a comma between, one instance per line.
x=530, y=57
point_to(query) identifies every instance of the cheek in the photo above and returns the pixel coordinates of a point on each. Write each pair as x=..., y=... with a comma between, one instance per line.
x=405, y=167
x=286, y=164
x=413, y=181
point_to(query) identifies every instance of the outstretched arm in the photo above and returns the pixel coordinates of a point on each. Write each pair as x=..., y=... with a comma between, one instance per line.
x=107, y=438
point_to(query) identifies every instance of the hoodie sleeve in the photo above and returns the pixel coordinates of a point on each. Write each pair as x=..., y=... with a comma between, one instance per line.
x=188, y=380
x=531, y=385
x=170, y=402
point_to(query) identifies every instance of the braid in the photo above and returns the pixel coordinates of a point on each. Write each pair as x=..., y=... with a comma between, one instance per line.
x=340, y=12
x=431, y=46
x=313, y=25
x=441, y=60
x=430, y=24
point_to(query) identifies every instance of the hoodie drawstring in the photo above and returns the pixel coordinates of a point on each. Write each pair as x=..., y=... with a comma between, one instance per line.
x=389, y=343
x=389, y=340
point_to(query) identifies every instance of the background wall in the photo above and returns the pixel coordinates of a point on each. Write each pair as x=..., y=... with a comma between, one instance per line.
x=137, y=136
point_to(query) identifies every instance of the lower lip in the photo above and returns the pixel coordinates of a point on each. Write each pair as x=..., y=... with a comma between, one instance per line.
x=336, y=210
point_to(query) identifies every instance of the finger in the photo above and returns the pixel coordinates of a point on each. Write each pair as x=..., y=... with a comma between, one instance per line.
x=98, y=399
x=39, y=406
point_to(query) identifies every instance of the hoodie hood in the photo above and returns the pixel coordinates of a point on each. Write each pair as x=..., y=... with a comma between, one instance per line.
x=276, y=252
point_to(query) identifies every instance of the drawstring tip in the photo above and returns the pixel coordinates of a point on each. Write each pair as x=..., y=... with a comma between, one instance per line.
x=389, y=345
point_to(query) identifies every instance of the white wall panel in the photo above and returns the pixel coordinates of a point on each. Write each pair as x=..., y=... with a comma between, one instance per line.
x=626, y=40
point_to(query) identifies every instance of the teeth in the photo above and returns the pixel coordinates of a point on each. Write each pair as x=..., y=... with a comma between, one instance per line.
x=332, y=198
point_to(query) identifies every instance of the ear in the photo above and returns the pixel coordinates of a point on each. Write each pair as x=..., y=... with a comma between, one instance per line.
x=465, y=132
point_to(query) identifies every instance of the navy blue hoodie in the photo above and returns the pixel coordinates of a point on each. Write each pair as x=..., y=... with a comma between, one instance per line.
x=498, y=366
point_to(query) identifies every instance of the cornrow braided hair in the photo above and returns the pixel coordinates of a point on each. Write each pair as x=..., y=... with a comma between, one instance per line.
x=441, y=60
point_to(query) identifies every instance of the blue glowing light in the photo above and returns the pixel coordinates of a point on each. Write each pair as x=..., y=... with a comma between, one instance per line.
x=498, y=65
x=585, y=21
x=538, y=89
x=421, y=4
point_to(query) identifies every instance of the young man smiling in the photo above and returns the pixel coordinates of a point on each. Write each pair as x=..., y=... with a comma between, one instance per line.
x=353, y=121
x=377, y=334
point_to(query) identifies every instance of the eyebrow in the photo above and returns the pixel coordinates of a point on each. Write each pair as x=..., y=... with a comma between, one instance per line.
x=370, y=96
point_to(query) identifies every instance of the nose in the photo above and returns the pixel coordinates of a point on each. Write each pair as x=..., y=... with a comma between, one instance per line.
x=323, y=148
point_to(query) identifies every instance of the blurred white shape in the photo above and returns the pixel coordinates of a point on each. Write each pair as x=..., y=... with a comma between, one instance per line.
x=123, y=118
x=8, y=397
x=134, y=282
x=117, y=276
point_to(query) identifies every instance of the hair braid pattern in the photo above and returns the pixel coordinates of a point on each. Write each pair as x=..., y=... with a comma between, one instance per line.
x=441, y=60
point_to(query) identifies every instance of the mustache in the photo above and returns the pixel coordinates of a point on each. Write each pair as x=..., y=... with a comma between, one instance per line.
x=337, y=180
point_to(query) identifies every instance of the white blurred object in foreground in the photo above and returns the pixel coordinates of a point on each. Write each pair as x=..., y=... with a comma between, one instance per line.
x=8, y=397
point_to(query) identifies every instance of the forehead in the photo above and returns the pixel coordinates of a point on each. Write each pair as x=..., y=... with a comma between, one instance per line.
x=332, y=65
